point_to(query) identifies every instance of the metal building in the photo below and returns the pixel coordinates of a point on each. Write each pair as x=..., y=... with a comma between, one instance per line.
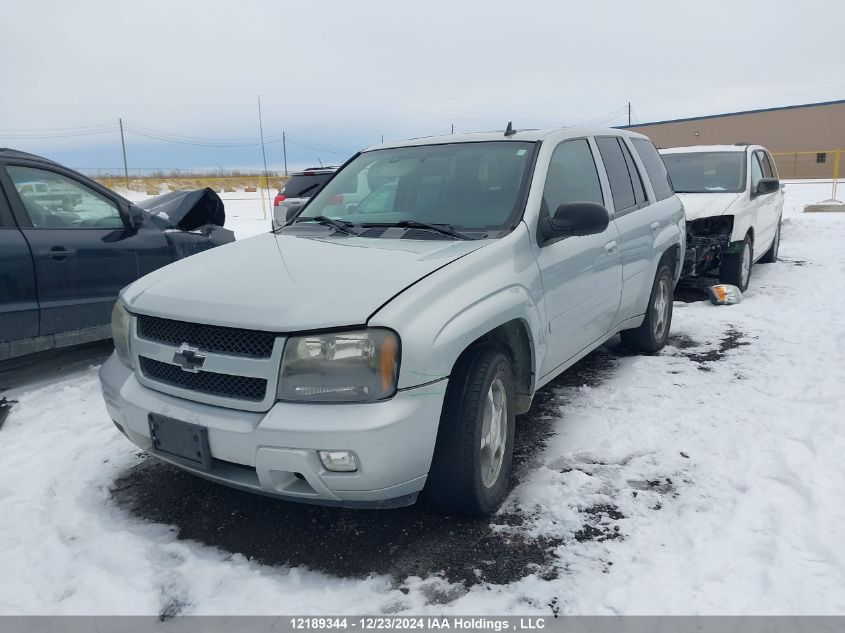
x=807, y=141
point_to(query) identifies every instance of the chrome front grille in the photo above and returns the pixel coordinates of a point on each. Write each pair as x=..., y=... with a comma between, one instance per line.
x=209, y=382
x=239, y=368
x=211, y=338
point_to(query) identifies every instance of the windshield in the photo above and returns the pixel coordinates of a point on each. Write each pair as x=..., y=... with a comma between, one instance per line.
x=471, y=187
x=707, y=172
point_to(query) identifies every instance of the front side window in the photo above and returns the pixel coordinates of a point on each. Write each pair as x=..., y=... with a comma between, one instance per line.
x=767, y=167
x=572, y=176
x=470, y=187
x=756, y=171
x=54, y=201
x=706, y=172
x=773, y=164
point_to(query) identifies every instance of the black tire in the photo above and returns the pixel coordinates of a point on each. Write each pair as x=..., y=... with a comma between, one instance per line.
x=771, y=255
x=651, y=336
x=732, y=269
x=455, y=482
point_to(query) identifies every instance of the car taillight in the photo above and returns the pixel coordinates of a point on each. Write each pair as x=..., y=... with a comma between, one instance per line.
x=337, y=199
x=278, y=199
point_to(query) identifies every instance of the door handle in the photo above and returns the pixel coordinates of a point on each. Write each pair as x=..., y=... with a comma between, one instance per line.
x=654, y=225
x=611, y=247
x=59, y=253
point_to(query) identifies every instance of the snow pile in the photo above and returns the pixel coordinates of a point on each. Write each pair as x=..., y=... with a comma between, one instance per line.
x=707, y=479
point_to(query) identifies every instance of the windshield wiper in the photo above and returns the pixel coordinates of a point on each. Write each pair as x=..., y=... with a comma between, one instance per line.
x=443, y=229
x=340, y=225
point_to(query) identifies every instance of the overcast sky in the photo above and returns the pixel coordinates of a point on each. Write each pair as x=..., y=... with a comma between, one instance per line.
x=339, y=74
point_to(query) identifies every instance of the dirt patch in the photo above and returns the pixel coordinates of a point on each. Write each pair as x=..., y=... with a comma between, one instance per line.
x=600, y=524
x=681, y=341
x=732, y=339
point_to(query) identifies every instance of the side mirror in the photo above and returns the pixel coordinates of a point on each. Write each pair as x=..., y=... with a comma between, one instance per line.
x=767, y=185
x=574, y=219
x=136, y=216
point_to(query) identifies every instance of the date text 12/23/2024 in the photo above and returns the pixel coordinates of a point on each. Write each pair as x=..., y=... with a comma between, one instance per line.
x=455, y=623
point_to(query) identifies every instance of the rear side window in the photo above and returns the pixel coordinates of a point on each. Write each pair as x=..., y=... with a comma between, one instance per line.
x=572, y=176
x=636, y=179
x=304, y=186
x=654, y=167
x=617, y=173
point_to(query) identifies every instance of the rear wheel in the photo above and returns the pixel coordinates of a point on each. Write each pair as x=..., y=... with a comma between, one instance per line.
x=771, y=255
x=651, y=336
x=736, y=267
x=472, y=458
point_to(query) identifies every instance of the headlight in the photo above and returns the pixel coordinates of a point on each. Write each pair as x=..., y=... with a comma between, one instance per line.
x=360, y=366
x=121, y=326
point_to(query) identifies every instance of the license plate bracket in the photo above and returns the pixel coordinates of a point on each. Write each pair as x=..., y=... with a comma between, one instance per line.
x=182, y=441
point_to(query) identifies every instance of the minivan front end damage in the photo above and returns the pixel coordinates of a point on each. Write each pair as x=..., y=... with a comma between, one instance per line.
x=707, y=240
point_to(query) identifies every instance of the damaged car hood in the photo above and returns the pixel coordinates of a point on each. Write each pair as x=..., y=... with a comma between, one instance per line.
x=186, y=210
x=287, y=283
x=192, y=221
x=706, y=205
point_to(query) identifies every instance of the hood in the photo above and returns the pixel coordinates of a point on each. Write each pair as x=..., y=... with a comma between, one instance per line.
x=706, y=205
x=287, y=283
x=186, y=210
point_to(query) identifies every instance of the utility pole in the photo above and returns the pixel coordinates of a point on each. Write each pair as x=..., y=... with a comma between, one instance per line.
x=264, y=156
x=285, y=152
x=629, y=113
x=123, y=146
x=453, y=128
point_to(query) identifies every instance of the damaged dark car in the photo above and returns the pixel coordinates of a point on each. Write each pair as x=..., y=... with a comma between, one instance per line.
x=68, y=245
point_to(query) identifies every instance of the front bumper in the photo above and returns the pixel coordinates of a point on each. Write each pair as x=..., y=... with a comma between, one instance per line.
x=275, y=453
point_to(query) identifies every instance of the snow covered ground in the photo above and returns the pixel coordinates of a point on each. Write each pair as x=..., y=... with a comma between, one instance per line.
x=705, y=480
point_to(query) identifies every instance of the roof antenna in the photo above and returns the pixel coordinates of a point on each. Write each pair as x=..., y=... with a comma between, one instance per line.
x=510, y=131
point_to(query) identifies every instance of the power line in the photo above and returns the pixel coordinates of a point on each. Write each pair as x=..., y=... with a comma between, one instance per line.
x=32, y=136
x=61, y=129
x=602, y=119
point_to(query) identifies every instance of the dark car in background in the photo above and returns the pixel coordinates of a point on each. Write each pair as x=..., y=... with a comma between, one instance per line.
x=298, y=189
x=68, y=245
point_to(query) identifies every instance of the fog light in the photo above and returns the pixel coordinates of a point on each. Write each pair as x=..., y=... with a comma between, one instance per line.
x=725, y=294
x=339, y=461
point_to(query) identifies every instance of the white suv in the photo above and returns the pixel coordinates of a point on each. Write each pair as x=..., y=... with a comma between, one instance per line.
x=733, y=202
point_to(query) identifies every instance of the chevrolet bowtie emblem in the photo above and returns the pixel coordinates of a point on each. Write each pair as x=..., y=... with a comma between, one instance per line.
x=189, y=358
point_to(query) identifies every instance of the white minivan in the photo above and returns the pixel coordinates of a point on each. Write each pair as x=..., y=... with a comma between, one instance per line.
x=733, y=202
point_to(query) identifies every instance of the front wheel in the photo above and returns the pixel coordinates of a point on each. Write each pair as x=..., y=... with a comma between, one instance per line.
x=472, y=458
x=736, y=267
x=652, y=335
